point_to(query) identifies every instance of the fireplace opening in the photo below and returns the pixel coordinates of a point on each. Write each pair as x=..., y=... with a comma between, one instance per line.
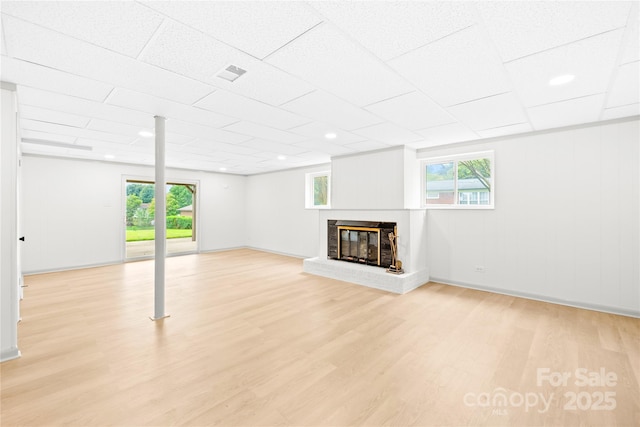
x=359, y=244
x=363, y=242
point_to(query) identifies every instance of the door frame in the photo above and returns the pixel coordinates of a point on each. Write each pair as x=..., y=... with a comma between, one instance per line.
x=145, y=179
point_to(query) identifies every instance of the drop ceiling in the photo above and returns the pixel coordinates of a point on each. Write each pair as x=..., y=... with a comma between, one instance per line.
x=375, y=74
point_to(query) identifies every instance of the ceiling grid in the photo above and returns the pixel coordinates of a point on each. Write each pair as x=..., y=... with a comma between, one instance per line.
x=371, y=75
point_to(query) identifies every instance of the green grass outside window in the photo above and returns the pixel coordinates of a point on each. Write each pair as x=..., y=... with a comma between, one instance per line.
x=136, y=234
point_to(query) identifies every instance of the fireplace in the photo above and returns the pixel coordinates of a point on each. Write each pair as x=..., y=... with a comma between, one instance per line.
x=362, y=242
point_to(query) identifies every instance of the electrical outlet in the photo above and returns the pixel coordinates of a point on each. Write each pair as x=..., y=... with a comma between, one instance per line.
x=479, y=268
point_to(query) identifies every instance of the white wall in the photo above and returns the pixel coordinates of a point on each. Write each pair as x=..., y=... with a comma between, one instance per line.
x=277, y=220
x=8, y=226
x=374, y=180
x=565, y=226
x=74, y=211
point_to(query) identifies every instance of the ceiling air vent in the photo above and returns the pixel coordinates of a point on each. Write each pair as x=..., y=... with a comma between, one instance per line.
x=231, y=73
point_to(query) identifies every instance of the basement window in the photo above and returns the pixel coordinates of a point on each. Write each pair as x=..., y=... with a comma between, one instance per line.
x=318, y=190
x=464, y=181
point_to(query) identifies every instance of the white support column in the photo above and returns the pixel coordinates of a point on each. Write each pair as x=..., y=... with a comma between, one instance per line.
x=160, y=220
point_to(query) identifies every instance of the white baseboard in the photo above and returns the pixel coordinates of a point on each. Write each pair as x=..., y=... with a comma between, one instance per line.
x=211, y=251
x=71, y=267
x=253, y=248
x=276, y=252
x=587, y=306
x=146, y=258
x=9, y=354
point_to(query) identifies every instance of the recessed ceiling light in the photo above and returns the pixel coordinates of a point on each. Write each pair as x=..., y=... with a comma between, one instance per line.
x=231, y=73
x=223, y=169
x=145, y=134
x=109, y=156
x=281, y=157
x=561, y=80
x=330, y=135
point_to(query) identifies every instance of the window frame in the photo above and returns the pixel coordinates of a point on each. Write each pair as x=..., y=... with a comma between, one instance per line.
x=309, y=189
x=456, y=158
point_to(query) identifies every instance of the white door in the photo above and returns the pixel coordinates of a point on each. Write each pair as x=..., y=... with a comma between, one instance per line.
x=9, y=283
x=19, y=219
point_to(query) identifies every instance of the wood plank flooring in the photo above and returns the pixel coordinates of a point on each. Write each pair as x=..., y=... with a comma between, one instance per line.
x=254, y=341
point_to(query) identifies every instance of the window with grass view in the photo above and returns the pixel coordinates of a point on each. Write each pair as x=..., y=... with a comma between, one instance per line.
x=464, y=181
x=318, y=190
x=140, y=218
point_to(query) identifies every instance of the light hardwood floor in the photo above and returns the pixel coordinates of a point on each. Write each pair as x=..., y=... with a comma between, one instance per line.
x=254, y=341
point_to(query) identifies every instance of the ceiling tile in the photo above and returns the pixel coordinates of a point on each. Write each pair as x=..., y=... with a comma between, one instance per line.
x=188, y=52
x=631, y=44
x=566, y=113
x=366, y=145
x=177, y=158
x=626, y=87
x=243, y=158
x=445, y=134
x=116, y=128
x=388, y=133
x=155, y=106
x=52, y=116
x=505, y=130
x=142, y=145
x=315, y=157
x=73, y=131
x=276, y=147
x=132, y=131
x=266, y=83
x=199, y=165
x=81, y=107
x=177, y=139
x=191, y=53
x=101, y=145
x=318, y=130
x=325, y=107
x=389, y=29
x=522, y=28
x=375, y=73
x=413, y=110
x=624, y=111
x=205, y=132
x=244, y=108
x=491, y=112
x=591, y=61
x=326, y=58
x=121, y=26
x=221, y=147
x=237, y=23
x=260, y=131
x=3, y=44
x=472, y=68
x=46, y=136
x=274, y=159
x=201, y=151
x=324, y=146
x=35, y=44
x=39, y=77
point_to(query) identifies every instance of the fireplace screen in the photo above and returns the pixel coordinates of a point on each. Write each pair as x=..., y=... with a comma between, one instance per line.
x=359, y=244
x=364, y=242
